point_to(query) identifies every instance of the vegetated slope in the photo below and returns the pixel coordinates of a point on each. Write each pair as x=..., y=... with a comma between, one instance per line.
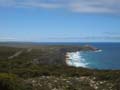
x=44, y=68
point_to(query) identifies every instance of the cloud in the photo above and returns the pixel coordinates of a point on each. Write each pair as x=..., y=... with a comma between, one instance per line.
x=87, y=38
x=112, y=33
x=7, y=39
x=86, y=6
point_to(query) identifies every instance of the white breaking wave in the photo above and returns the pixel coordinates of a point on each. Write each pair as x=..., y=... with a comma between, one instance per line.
x=75, y=59
x=98, y=51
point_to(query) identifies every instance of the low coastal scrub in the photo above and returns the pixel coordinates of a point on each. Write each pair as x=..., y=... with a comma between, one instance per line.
x=44, y=68
x=11, y=82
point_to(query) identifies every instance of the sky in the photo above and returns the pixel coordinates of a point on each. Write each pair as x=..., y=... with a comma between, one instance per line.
x=60, y=20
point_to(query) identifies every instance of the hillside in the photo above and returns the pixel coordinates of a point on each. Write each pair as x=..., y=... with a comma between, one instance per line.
x=44, y=68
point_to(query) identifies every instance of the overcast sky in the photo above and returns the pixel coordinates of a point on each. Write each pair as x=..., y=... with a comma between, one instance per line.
x=60, y=20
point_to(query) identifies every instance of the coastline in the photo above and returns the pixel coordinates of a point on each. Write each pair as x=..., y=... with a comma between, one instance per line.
x=75, y=59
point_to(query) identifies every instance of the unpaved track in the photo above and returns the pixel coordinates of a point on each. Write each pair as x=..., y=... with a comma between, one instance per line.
x=15, y=55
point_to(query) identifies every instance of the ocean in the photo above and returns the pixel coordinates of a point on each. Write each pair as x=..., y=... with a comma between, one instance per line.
x=108, y=58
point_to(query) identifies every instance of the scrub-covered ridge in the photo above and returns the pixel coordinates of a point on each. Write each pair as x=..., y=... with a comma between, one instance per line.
x=43, y=67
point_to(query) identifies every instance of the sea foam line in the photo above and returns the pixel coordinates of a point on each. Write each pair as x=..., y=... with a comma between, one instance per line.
x=75, y=59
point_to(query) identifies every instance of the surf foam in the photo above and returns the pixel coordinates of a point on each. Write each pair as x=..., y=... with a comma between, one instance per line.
x=75, y=59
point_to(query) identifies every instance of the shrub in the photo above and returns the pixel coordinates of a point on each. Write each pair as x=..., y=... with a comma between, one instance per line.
x=10, y=82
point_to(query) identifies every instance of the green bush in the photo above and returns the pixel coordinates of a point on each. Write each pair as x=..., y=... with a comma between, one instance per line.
x=10, y=82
